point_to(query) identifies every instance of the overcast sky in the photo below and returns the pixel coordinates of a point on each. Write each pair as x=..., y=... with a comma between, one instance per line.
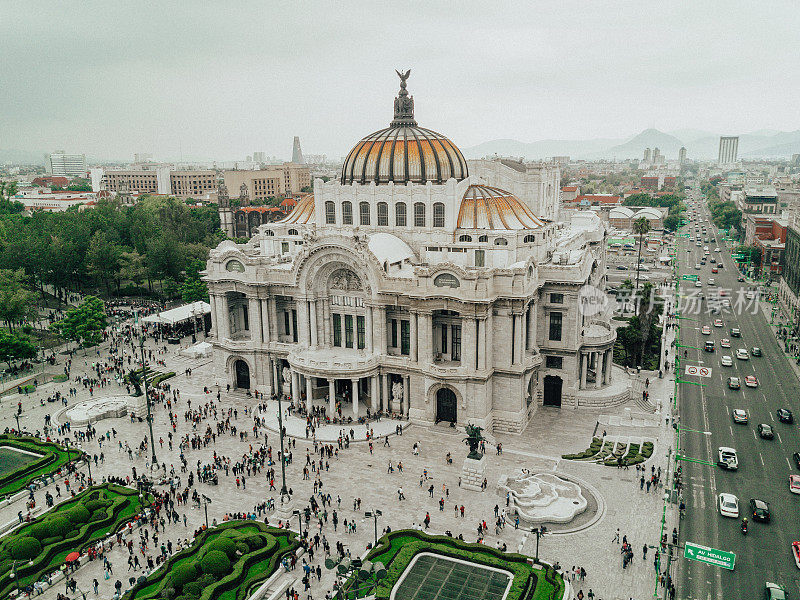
x=219, y=80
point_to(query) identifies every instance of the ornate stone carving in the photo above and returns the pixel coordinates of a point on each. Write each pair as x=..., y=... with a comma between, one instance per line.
x=397, y=392
x=287, y=377
x=403, y=103
x=346, y=280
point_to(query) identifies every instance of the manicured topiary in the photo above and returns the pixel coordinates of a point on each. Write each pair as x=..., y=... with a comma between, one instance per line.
x=93, y=505
x=216, y=563
x=193, y=589
x=223, y=544
x=24, y=548
x=206, y=579
x=40, y=531
x=51, y=540
x=79, y=514
x=255, y=541
x=98, y=514
x=60, y=525
x=168, y=593
x=243, y=548
x=183, y=574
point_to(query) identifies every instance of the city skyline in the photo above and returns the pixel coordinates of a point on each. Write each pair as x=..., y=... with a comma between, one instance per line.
x=227, y=79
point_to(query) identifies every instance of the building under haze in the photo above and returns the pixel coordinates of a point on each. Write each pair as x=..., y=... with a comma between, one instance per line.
x=420, y=284
x=60, y=164
x=728, y=150
x=297, y=152
x=682, y=155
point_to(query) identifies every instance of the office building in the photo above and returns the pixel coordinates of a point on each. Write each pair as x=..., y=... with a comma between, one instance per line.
x=66, y=165
x=728, y=150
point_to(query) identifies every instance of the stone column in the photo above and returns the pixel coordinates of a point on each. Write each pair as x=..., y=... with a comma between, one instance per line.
x=253, y=321
x=531, y=326
x=406, y=394
x=265, y=321
x=331, y=398
x=326, y=322
x=583, y=369
x=468, y=343
x=295, y=385
x=225, y=317
x=379, y=324
x=599, y=367
x=314, y=332
x=481, y=325
x=355, y=397
x=303, y=330
x=425, y=341
x=309, y=390
x=273, y=318
x=368, y=332
x=413, y=335
x=609, y=364
x=387, y=392
x=373, y=389
x=212, y=300
x=489, y=340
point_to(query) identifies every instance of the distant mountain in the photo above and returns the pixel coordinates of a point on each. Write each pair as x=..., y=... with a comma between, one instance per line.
x=699, y=144
x=21, y=157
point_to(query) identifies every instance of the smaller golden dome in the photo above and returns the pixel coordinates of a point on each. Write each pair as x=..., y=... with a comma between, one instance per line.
x=485, y=207
x=303, y=212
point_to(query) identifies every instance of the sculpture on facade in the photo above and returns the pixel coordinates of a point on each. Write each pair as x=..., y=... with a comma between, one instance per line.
x=287, y=378
x=397, y=393
x=473, y=440
x=403, y=103
x=133, y=377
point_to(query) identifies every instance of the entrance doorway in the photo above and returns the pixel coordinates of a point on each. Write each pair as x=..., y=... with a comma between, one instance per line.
x=446, y=406
x=242, y=372
x=552, y=391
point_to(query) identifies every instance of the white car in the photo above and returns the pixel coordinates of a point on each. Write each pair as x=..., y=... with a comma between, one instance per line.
x=726, y=361
x=716, y=250
x=711, y=281
x=727, y=459
x=742, y=354
x=697, y=266
x=794, y=484
x=750, y=295
x=728, y=505
x=698, y=283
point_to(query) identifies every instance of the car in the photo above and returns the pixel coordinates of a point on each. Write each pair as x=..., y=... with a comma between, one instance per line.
x=644, y=277
x=740, y=278
x=739, y=416
x=785, y=415
x=709, y=346
x=796, y=553
x=729, y=505
x=741, y=354
x=773, y=591
x=727, y=458
x=622, y=268
x=733, y=383
x=735, y=332
x=760, y=510
x=765, y=431
x=699, y=243
x=698, y=283
x=714, y=270
x=750, y=295
x=706, y=330
x=751, y=381
x=716, y=249
x=796, y=459
x=725, y=343
x=697, y=266
x=718, y=323
x=755, y=351
x=726, y=361
x=720, y=265
x=794, y=484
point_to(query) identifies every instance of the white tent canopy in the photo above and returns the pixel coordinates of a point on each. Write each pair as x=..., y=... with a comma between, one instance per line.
x=179, y=314
x=202, y=349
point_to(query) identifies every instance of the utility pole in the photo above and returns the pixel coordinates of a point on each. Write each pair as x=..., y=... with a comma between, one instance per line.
x=284, y=490
x=154, y=460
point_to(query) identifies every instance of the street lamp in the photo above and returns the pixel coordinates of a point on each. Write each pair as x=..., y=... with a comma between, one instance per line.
x=538, y=532
x=374, y=515
x=299, y=520
x=154, y=460
x=206, y=502
x=19, y=429
x=284, y=490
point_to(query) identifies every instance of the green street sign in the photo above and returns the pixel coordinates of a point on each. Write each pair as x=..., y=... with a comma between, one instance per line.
x=682, y=235
x=689, y=277
x=711, y=556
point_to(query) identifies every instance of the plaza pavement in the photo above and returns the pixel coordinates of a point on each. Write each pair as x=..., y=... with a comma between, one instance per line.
x=357, y=473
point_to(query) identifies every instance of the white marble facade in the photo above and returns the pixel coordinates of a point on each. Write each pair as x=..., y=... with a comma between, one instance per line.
x=433, y=287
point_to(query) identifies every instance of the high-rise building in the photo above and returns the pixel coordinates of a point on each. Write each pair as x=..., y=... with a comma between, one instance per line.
x=259, y=157
x=66, y=165
x=646, y=155
x=297, y=153
x=142, y=157
x=728, y=150
x=682, y=155
x=657, y=158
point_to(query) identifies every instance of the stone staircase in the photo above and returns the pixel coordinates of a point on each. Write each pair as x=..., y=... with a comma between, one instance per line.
x=637, y=387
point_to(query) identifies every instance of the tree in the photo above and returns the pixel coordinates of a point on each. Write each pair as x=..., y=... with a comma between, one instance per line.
x=17, y=303
x=84, y=324
x=640, y=227
x=132, y=267
x=14, y=346
x=103, y=258
x=194, y=290
x=672, y=222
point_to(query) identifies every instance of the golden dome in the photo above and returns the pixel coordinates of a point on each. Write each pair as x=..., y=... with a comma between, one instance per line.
x=302, y=213
x=485, y=207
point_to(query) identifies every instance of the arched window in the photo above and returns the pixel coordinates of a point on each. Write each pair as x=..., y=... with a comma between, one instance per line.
x=234, y=265
x=465, y=238
x=438, y=214
x=383, y=214
x=269, y=232
x=400, y=214
x=529, y=239
x=446, y=280
x=347, y=213
x=330, y=213
x=483, y=238
x=293, y=232
x=419, y=214
x=501, y=242
x=363, y=213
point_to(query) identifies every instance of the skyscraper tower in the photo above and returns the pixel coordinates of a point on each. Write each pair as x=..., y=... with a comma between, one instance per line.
x=728, y=150
x=682, y=155
x=297, y=153
x=646, y=155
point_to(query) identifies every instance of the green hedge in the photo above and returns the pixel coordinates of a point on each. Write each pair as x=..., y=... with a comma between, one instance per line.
x=215, y=567
x=161, y=377
x=593, y=449
x=60, y=378
x=53, y=458
x=69, y=527
x=396, y=550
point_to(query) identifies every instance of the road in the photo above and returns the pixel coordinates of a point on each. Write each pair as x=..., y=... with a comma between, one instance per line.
x=764, y=465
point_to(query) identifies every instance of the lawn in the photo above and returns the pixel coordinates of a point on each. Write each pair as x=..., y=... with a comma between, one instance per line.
x=51, y=458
